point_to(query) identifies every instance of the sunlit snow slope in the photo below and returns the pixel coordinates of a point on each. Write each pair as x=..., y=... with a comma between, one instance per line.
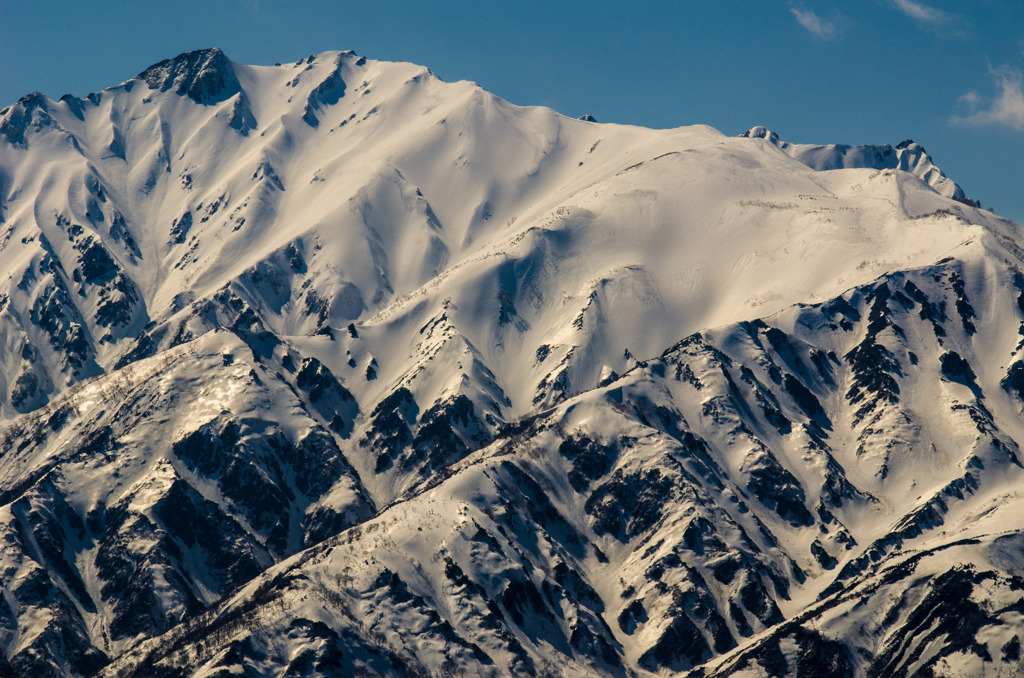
x=334, y=368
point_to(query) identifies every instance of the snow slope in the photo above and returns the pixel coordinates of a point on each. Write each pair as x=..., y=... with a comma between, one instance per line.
x=334, y=366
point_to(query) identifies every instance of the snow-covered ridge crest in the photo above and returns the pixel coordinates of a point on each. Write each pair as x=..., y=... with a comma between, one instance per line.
x=907, y=156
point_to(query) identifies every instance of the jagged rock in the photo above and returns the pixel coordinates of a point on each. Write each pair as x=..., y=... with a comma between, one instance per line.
x=204, y=75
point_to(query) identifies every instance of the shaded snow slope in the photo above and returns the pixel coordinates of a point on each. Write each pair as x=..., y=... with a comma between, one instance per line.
x=334, y=366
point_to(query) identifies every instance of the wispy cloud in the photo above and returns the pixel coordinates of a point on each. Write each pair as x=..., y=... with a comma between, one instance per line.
x=826, y=30
x=922, y=12
x=1007, y=108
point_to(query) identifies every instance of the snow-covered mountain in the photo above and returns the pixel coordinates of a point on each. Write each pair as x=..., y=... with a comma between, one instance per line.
x=333, y=368
x=907, y=156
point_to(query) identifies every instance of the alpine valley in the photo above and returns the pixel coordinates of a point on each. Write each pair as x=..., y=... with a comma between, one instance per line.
x=332, y=368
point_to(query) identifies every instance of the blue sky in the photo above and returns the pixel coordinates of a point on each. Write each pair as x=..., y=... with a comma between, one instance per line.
x=947, y=74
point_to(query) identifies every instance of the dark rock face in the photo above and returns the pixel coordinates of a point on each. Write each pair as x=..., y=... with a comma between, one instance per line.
x=815, y=656
x=448, y=431
x=41, y=519
x=262, y=473
x=26, y=391
x=118, y=303
x=628, y=504
x=777, y=489
x=180, y=228
x=327, y=93
x=947, y=612
x=445, y=433
x=204, y=75
x=129, y=577
x=328, y=396
x=56, y=314
x=1013, y=382
x=389, y=434
x=682, y=646
x=956, y=368
x=803, y=397
x=874, y=367
x=590, y=460
x=95, y=262
x=30, y=113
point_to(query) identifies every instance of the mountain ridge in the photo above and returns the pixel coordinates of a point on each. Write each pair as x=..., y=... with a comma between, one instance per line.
x=907, y=156
x=334, y=366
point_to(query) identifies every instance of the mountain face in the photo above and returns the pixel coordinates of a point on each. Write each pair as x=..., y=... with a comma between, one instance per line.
x=333, y=368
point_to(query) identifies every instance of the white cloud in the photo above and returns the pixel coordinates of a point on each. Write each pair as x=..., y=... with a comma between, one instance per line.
x=1005, y=109
x=922, y=12
x=971, y=99
x=814, y=23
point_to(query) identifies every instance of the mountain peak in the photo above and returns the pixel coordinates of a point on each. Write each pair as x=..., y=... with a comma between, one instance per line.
x=204, y=75
x=760, y=132
x=14, y=120
x=908, y=156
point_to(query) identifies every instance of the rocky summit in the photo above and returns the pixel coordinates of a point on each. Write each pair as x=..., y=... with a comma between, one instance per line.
x=332, y=368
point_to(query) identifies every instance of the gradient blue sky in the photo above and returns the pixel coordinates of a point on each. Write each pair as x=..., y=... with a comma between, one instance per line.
x=947, y=74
